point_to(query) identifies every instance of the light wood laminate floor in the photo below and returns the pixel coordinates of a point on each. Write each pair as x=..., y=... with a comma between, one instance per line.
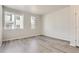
x=38, y=44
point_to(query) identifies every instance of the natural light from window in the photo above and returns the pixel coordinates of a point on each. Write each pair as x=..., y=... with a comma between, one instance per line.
x=13, y=21
x=33, y=22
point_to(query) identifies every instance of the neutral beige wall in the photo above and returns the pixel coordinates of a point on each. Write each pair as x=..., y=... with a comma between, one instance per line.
x=23, y=33
x=0, y=24
x=59, y=24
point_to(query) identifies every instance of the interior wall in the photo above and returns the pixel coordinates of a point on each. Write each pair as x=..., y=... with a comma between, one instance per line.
x=0, y=25
x=59, y=24
x=22, y=33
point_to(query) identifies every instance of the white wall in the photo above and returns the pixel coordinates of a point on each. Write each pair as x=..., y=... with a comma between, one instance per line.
x=23, y=33
x=0, y=25
x=59, y=24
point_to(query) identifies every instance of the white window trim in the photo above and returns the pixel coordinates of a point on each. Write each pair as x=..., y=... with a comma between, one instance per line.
x=21, y=15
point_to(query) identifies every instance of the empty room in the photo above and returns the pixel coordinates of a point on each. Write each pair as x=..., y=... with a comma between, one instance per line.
x=39, y=28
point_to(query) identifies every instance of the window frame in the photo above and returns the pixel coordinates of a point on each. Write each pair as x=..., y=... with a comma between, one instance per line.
x=13, y=13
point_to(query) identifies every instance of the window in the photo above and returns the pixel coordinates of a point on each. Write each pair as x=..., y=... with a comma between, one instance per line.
x=13, y=21
x=33, y=22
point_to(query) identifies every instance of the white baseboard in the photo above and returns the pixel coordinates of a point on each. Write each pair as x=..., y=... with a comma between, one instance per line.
x=72, y=45
x=58, y=38
x=19, y=37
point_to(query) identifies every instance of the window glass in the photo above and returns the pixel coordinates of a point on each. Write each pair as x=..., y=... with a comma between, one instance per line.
x=13, y=21
x=33, y=22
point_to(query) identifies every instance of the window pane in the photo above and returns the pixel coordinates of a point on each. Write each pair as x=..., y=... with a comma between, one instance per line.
x=8, y=19
x=33, y=22
x=19, y=22
x=13, y=21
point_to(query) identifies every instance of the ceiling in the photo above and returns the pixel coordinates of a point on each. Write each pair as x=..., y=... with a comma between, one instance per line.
x=38, y=9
